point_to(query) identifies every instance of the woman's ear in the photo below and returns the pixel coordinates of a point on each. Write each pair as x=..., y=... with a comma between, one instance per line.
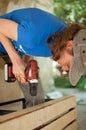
x=69, y=45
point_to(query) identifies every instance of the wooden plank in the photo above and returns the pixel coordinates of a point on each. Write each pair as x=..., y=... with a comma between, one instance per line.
x=60, y=103
x=72, y=126
x=62, y=122
x=38, y=115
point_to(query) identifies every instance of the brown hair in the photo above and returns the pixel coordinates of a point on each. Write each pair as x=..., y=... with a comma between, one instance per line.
x=59, y=39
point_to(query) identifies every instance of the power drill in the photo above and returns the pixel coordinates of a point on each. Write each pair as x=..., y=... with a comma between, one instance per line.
x=32, y=76
x=31, y=73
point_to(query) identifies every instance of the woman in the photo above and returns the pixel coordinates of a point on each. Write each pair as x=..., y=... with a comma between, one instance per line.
x=34, y=32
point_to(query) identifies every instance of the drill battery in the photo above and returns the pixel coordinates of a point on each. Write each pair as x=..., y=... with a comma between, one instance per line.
x=9, y=76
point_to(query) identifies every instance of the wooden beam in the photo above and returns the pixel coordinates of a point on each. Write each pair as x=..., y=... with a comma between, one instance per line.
x=42, y=115
x=62, y=122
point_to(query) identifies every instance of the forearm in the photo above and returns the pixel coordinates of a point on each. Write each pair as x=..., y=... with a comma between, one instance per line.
x=18, y=64
x=8, y=30
x=6, y=42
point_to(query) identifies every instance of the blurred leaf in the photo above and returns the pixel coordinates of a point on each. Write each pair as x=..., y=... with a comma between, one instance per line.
x=62, y=82
x=70, y=10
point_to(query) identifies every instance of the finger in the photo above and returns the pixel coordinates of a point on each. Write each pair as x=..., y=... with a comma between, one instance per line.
x=18, y=78
x=21, y=78
x=23, y=81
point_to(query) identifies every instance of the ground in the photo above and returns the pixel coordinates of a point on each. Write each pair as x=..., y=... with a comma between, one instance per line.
x=81, y=113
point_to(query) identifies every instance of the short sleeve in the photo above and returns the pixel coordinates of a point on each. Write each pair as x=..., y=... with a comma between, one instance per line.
x=25, y=35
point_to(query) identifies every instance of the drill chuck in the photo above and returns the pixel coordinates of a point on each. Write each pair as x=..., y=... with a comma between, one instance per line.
x=33, y=89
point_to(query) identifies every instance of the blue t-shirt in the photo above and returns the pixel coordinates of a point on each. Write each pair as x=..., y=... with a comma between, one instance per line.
x=34, y=27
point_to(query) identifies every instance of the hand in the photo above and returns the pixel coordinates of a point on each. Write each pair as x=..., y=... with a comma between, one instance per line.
x=19, y=70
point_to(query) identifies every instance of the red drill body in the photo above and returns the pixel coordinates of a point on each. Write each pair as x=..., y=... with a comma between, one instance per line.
x=32, y=72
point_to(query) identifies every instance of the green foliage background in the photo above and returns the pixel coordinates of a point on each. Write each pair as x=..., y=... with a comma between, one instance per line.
x=70, y=11
x=63, y=82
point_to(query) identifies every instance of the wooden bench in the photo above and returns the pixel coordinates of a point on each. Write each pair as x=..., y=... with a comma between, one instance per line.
x=59, y=114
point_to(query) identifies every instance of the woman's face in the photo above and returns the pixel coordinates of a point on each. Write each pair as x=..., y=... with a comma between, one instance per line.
x=66, y=56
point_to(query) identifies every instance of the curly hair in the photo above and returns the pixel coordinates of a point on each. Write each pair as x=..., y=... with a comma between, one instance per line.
x=59, y=39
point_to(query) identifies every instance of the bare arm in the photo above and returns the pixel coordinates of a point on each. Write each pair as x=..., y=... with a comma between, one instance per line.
x=8, y=30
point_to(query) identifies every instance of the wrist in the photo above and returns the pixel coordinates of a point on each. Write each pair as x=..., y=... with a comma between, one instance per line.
x=15, y=57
